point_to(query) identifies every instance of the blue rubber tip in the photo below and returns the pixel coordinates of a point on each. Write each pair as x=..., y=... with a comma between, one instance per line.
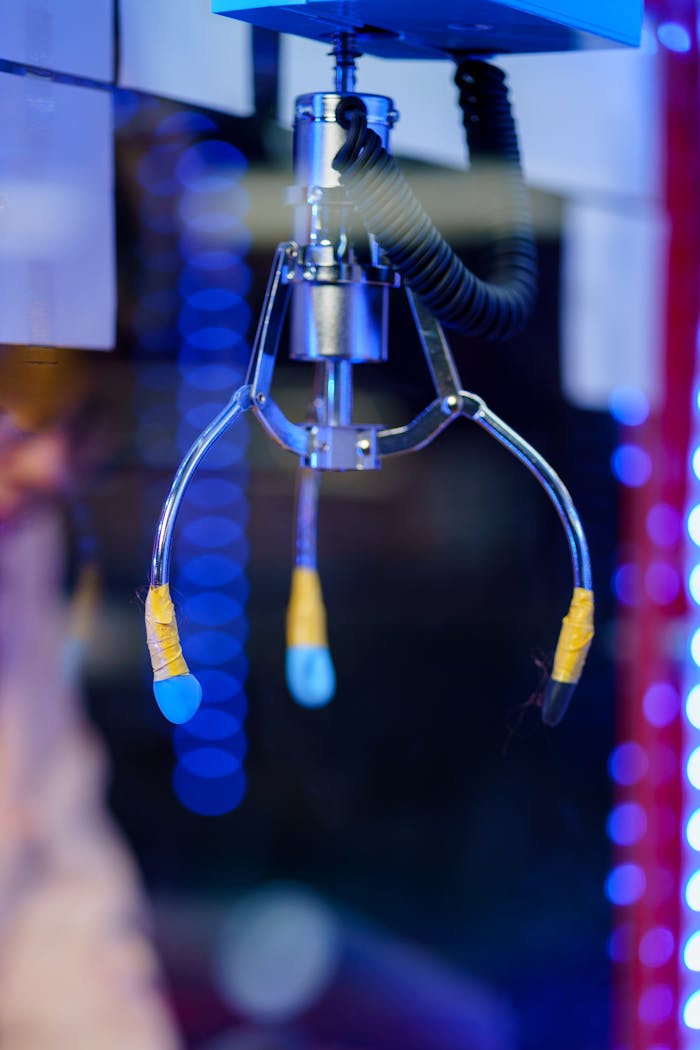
x=310, y=675
x=178, y=697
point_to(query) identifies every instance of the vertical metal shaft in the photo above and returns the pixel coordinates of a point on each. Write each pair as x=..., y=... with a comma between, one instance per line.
x=337, y=402
x=345, y=53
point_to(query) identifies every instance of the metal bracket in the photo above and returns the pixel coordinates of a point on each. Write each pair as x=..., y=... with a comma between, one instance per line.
x=342, y=448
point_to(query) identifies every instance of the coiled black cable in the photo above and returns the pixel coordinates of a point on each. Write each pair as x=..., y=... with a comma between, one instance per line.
x=497, y=306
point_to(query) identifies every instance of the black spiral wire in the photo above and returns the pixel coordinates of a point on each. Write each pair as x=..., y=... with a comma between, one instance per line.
x=499, y=305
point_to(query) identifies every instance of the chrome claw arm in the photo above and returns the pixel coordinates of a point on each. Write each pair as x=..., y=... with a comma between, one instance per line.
x=262, y=360
x=160, y=562
x=267, y=335
x=577, y=627
x=443, y=370
x=281, y=429
x=438, y=355
x=548, y=479
x=419, y=432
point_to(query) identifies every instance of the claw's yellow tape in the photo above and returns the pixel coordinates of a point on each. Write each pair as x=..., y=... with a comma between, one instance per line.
x=575, y=638
x=306, y=614
x=162, y=635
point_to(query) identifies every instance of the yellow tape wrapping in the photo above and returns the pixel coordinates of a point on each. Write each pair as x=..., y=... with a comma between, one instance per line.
x=575, y=638
x=162, y=635
x=306, y=615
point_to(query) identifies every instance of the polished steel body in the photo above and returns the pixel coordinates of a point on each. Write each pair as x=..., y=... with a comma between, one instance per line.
x=340, y=299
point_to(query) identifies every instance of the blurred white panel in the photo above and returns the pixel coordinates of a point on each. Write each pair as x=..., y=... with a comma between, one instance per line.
x=57, y=280
x=68, y=36
x=179, y=49
x=613, y=302
x=588, y=120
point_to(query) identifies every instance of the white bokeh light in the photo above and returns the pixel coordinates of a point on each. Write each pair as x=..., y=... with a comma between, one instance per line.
x=692, y=830
x=691, y=953
x=694, y=525
x=693, y=768
x=695, y=647
x=692, y=706
x=692, y=892
x=691, y=1012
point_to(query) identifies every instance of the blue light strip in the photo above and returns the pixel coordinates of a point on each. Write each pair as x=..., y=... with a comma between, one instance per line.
x=194, y=245
x=213, y=317
x=641, y=883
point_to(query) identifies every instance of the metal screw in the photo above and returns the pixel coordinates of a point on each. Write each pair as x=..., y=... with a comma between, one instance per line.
x=260, y=398
x=451, y=404
x=364, y=447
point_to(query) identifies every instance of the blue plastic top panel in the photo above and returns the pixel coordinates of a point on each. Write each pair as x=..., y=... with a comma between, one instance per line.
x=432, y=28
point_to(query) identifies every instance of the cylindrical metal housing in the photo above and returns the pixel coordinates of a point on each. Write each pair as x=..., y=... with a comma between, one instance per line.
x=318, y=136
x=336, y=313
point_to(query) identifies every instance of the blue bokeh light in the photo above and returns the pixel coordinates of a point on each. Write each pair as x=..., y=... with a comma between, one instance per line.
x=631, y=465
x=674, y=37
x=208, y=570
x=213, y=260
x=628, y=763
x=210, y=762
x=212, y=648
x=223, y=687
x=662, y=582
x=211, y=377
x=225, y=736
x=216, y=338
x=212, y=531
x=212, y=609
x=209, y=797
x=210, y=300
x=211, y=723
x=627, y=823
x=629, y=406
x=625, y=884
x=216, y=493
x=234, y=278
x=663, y=525
x=627, y=584
x=216, y=225
x=210, y=166
x=661, y=704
